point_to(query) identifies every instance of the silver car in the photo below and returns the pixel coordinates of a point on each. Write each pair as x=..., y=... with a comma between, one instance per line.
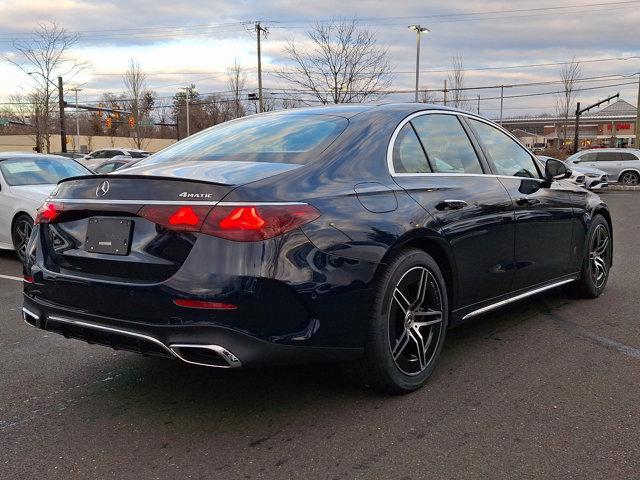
x=621, y=164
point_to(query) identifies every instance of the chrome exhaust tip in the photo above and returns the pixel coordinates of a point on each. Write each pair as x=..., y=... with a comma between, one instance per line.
x=205, y=355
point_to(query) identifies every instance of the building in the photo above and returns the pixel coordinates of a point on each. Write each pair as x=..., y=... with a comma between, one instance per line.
x=611, y=126
x=529, y=139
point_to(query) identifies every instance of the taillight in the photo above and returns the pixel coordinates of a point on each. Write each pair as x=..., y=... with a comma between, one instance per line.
x=254, y=223
x=48, y=212
x=186, y=218
x=240, y=223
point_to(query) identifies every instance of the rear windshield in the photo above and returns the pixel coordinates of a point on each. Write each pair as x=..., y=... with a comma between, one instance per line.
x=40, y=171
x=282, y=138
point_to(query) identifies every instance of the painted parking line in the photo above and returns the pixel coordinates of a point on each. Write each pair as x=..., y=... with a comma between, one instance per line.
x=9, y=277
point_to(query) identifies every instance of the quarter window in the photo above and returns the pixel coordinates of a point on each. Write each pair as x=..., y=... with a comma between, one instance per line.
x=447, y=145
x=628, y=157
x=408, y=155
x=508, y=157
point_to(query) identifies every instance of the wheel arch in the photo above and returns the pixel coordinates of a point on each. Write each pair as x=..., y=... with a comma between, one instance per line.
x=602, y=209
x=627, y=170
x=441, y=252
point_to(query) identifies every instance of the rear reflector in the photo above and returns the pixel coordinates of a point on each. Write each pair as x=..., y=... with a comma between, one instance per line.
x=48, y=212
x=204, y=304
x=28, y=279
x=255, y=223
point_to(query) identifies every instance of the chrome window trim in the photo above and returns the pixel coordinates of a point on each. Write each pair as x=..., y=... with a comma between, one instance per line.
x=516, y=298
x=449, y=112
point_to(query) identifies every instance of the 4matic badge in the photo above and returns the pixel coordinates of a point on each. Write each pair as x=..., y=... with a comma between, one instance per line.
x=194, y=195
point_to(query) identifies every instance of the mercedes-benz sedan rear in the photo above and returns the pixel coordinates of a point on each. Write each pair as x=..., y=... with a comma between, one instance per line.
x=354, y=232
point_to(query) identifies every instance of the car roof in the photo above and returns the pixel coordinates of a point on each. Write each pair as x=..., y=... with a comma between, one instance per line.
x=18, y=155
x=608, y=149
x=349, y=110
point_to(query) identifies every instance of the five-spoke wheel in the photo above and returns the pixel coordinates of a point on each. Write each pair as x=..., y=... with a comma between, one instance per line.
x=597, y=262
x=408, y=324
x=630, y=178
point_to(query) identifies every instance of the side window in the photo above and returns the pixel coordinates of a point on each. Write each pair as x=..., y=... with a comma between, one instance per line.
x=628, y=157
x=448, y=147
x=408, y=155
x=588, y=157
x=608, y=157
x=508, y=157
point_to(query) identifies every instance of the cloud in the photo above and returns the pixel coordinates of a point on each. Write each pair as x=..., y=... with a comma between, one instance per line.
x=483, y=36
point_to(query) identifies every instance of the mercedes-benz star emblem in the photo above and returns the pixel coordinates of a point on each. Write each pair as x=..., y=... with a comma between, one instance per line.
x=102, y=189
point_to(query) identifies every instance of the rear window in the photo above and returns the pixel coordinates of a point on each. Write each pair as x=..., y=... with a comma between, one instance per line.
x=283, y=138
x=40, y=171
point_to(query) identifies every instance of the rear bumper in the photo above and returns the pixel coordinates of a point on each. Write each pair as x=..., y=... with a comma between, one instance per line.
x=206, y=345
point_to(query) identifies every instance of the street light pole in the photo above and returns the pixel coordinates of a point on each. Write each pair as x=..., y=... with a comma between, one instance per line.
x=419, y=30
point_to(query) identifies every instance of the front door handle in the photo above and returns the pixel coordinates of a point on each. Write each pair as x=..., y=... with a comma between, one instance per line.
x=451, y=205
x=527, y=201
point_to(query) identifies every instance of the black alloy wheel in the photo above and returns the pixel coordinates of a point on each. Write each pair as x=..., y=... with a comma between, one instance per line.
x=408, y=325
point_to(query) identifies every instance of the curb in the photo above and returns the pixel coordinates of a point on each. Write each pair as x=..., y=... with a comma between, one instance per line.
x=623, y=187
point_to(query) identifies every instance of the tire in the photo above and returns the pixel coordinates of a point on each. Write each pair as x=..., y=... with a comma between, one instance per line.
x=596, y=264
x=20, y=234
x=630, y=178
x=406, y=334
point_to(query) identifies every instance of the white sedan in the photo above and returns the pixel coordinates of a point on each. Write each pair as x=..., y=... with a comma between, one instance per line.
x=26, y=180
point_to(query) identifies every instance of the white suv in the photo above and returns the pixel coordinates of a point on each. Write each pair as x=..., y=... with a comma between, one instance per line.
x=621, y=164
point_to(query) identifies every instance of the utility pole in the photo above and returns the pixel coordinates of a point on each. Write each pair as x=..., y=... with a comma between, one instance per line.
x=76, y=90
x=187, y=91
x=419, y=30
x=63, y=133
x=478, y=104
x=259, y=30
x=501, y=102
x=445, y=93
x=637, y=130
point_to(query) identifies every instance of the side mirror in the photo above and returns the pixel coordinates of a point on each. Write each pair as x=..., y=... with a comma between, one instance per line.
x=556, y=170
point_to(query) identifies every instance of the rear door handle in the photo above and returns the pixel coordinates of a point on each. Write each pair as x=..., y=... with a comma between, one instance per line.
x=451, y=205
x=527, y=201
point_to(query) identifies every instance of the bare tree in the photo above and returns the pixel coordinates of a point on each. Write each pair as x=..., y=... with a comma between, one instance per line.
x=570, y=75
x=456, y=83
x=44, y=57
x=236, y=78
x=139, y=101
x=344, y=64
x=427, y=96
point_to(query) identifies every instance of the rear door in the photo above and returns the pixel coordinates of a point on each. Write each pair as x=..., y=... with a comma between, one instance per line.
x=436, y=162
x=610, y=162
x=544, y=213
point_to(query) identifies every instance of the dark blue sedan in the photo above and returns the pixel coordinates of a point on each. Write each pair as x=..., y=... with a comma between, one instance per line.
x=357, y=233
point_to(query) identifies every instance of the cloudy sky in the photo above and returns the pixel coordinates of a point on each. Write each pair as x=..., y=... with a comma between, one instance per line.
x=191, y=41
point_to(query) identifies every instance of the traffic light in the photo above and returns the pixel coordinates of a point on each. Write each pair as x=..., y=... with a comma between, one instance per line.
x=107, y=122
x=116, y=115
x=132, y=122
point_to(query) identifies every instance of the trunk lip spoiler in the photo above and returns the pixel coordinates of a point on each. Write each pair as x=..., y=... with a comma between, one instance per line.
x=144, y=177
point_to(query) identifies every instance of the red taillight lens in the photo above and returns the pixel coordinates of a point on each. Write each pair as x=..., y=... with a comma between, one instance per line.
x=27, y=279
x=255, y=223
x=48, y=212
x=204, y=304
x=186, y=218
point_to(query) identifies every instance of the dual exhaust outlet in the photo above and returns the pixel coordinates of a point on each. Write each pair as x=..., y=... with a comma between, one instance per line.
x=195, y=354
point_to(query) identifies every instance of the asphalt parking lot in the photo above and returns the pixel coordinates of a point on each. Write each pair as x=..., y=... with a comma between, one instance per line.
x=547, y=388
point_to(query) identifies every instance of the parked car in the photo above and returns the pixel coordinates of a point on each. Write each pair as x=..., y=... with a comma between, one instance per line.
x=102, y=155
x=74, y=155
x=114, y=164
x=590, y=177
x=26, y=180
x=576, y=177
x=621, y=164
x=337, y=233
